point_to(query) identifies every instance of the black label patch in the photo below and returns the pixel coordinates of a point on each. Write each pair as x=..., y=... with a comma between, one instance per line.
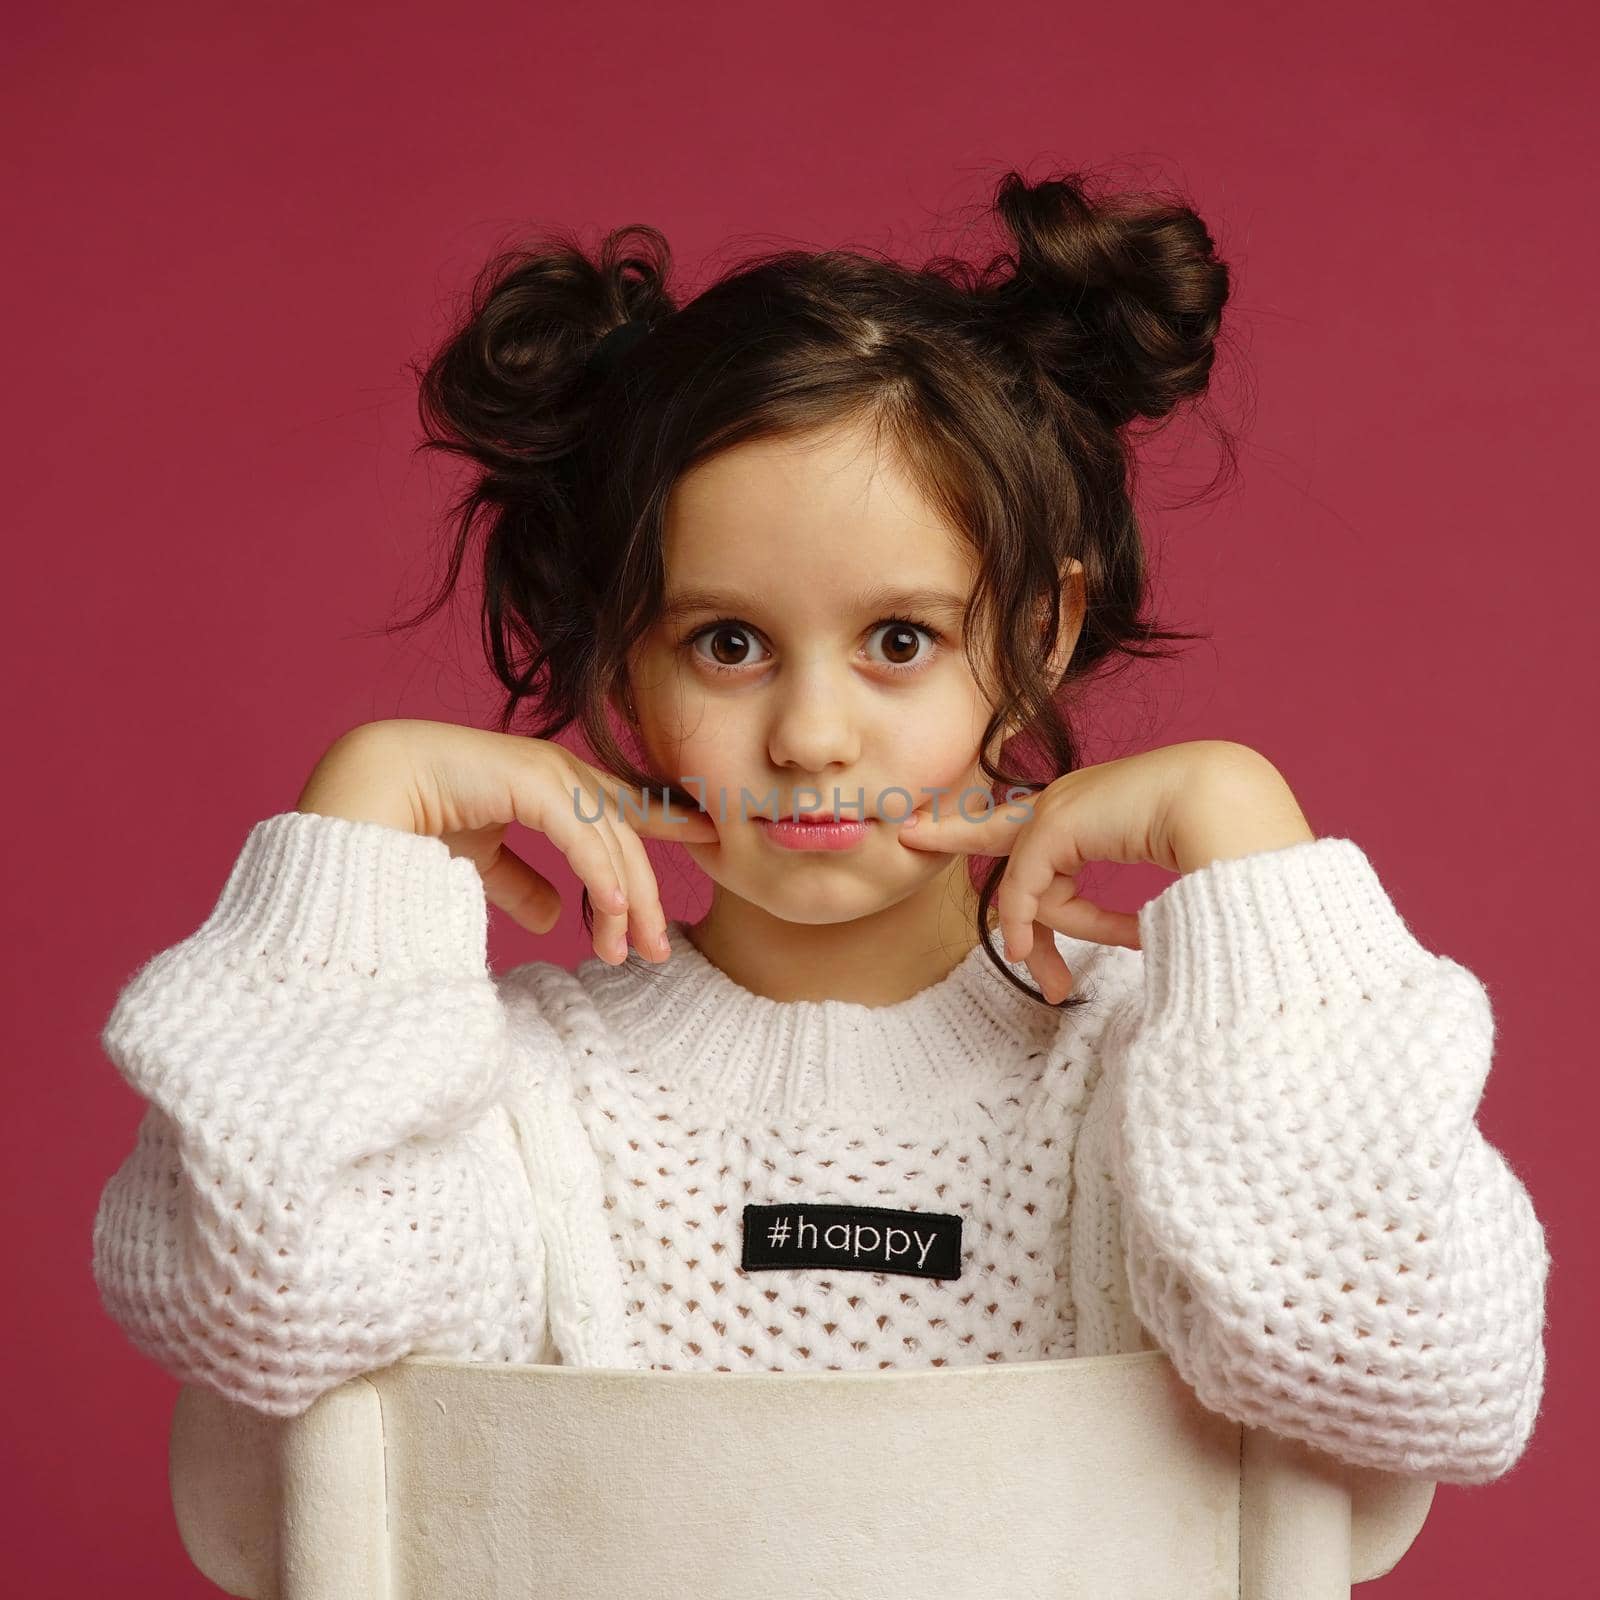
x=921, y=1244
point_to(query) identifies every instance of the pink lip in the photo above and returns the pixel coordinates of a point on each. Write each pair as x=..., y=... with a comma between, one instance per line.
x=814, y=835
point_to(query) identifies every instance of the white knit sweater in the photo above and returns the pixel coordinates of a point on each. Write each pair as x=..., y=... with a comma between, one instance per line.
x=1255, y=1149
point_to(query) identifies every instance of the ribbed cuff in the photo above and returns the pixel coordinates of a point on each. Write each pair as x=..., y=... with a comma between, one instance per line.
x=325, y=892
x=1242, y=934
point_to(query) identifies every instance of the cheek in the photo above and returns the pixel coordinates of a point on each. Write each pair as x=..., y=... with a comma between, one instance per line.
x=682, y=735
x=692, y=741
x=716, y=766
x=939, y=752
x=949, y=777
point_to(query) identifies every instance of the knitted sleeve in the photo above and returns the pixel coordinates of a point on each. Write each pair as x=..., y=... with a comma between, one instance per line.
x=1314, y=1228
x=325, y=1178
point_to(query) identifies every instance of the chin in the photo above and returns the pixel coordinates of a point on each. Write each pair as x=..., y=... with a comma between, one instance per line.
x=814, y=904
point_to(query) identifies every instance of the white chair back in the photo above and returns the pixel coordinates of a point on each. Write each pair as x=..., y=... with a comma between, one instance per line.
x=1092, y=1476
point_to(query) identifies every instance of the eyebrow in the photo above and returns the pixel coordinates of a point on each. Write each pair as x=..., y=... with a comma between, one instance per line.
x=879, y=601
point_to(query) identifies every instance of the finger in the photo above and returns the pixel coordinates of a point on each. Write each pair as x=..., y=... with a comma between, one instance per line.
x=611, y=925
x=647, y=919
x=632, y=868
x=654, y=815
x=1029, y=876
x=526, y=896
x=553, y=811
x=1062, y=908
x=1048, y=965
x=991, y=833
x=677, y=824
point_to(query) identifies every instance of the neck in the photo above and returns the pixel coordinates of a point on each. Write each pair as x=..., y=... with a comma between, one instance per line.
x=689, y=1032
x=875, y=960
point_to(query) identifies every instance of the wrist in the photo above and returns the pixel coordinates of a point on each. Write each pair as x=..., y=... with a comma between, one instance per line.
x=359, y=779
x=1240, y=806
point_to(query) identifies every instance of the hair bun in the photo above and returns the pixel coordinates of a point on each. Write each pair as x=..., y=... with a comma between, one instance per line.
x=1118, y=300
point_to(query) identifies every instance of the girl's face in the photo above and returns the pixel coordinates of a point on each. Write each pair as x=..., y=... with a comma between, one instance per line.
x=777, y=669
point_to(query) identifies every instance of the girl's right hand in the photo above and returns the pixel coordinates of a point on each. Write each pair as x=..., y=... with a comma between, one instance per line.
x=466, y=785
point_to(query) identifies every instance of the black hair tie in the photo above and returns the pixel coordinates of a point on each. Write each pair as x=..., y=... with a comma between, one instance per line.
x=614, y=345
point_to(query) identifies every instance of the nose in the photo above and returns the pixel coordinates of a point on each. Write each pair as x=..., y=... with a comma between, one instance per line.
x=813, y=727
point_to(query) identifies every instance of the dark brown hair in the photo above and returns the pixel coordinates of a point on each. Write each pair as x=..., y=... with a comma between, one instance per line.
x=1008, y=390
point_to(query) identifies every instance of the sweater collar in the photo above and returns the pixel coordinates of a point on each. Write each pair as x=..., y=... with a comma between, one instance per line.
x=691, y=1028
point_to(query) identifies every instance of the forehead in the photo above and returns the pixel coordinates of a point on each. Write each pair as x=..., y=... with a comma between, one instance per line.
x=810, y=517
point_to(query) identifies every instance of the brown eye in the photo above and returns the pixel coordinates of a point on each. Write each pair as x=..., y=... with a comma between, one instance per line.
x=730, y=644
x=900, y=642
x=720, y=645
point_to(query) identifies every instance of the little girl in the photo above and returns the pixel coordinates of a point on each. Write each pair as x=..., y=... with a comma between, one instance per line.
x=816, y=561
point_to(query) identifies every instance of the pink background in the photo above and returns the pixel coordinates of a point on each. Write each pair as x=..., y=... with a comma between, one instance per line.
x=230, y=227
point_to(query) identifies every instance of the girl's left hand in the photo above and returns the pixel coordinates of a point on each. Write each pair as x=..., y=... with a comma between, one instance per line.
x=1177, y=807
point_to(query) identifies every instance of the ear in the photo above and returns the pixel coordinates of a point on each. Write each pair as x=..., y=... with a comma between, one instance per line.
x=1073, y=605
